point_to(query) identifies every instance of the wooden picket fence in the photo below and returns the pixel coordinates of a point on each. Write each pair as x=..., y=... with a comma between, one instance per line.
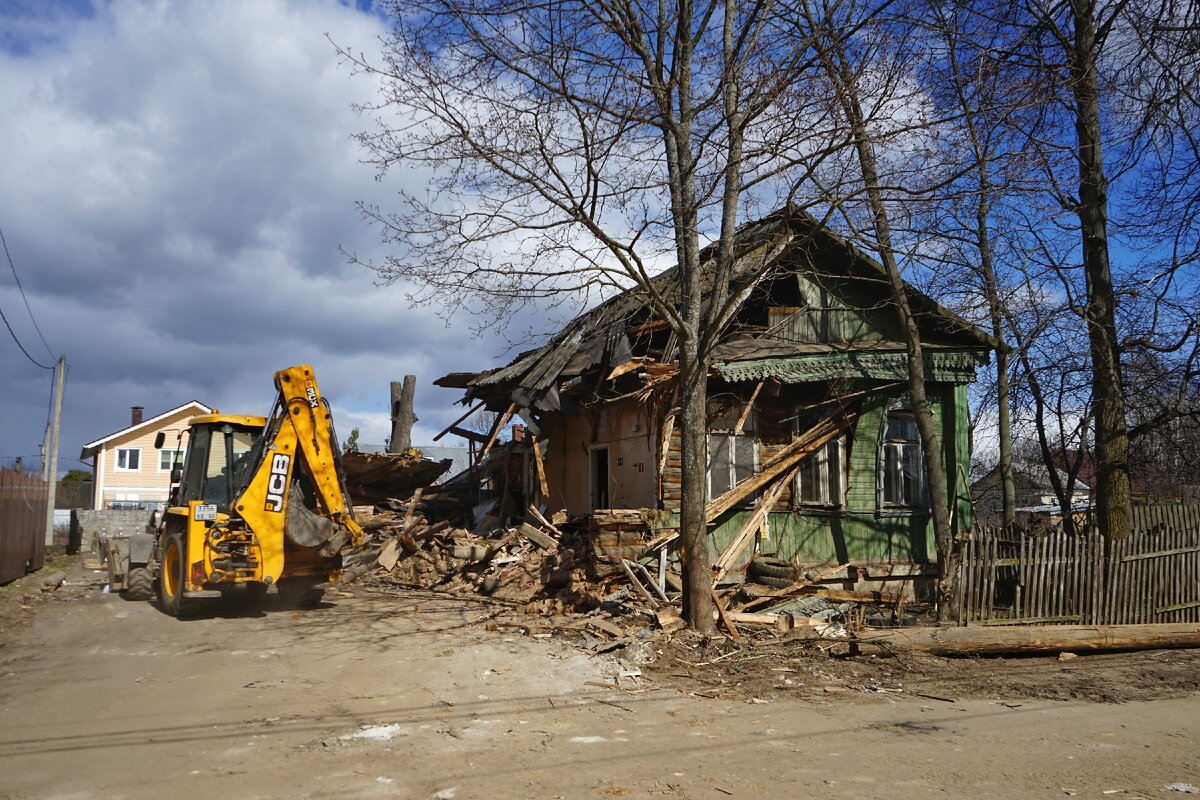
x=1054, y=577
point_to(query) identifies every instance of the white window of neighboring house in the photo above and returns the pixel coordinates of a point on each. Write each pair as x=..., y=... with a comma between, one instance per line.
x=168, y=459
x=129, y=459
x=819, y=481
x=902, y=473
x=732, y=456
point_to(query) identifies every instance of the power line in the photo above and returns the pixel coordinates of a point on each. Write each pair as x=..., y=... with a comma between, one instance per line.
x=20, y=288
x=18, y=341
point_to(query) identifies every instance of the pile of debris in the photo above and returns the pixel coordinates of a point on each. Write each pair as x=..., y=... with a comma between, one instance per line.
x=377, y=477
x=540, y=567
x=598, y=566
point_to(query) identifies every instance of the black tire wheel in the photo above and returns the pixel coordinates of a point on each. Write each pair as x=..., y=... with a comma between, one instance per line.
x=172, y=574
x=301, y=592
x=767, y=580
x=771, y=567
x=139, y=584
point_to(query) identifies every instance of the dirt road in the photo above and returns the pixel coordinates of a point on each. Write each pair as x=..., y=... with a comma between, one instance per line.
x=410, y=697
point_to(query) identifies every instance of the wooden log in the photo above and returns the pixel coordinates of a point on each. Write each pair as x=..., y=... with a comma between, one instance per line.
x=1011, y=639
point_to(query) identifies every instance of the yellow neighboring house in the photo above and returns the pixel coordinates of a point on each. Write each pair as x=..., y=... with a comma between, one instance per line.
x=128, y=473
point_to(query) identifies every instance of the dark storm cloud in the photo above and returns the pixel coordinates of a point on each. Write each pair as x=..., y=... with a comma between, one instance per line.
x=177, y=182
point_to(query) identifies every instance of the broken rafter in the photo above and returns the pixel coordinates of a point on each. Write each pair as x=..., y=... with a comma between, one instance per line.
x=808, y=443
x=790, y=457
x=499, y=426
x=540, y=466
x=741, y=423
x=743, y=537
x=450, y=428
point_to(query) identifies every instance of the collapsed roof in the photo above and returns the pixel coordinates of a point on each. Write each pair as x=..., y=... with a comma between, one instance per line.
x=625, y=328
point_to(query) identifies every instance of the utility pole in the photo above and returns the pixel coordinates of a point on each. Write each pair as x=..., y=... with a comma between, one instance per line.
x=51, y=470
x=403, y=416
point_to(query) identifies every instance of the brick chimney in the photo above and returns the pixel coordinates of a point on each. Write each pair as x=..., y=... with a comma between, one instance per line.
x=518, y=433
x=135, y=415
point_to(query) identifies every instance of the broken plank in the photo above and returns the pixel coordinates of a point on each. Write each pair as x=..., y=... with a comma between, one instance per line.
x=545, y=522
x=543, y=484
x=538, y=537
x=724, y=617
x=389, y=555
x=805, y=445
x=743, y=537
x=501, y=421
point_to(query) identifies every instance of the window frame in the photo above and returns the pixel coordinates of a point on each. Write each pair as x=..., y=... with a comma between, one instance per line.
x=887, y=445
x=176, y=460
x=118, y=451
x=833, y=495
x=749, y=435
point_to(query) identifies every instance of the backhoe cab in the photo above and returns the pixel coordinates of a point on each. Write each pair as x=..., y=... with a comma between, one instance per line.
x=258, y=501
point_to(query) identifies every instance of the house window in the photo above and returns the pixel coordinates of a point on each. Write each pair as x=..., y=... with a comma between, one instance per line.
x=819, y=481
x=168, y=459
x=903, y=473
x=732, y=451
x=129, y=459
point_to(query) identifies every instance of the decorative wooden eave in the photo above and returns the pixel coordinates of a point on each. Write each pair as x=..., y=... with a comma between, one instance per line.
x=948, y=366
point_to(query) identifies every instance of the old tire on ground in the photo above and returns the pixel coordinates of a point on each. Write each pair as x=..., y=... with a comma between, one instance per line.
x=767, y=580
x=301, y=592
x=770, y=567
x=139, y=584
x=171, y=576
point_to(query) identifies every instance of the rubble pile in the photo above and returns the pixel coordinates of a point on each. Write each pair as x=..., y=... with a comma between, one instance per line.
x=540, y=568
x=562, y=567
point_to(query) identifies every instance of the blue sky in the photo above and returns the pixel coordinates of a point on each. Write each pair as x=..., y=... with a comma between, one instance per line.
x=178, y=183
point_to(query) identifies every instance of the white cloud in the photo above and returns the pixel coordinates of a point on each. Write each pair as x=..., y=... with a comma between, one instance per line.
x=179, y=178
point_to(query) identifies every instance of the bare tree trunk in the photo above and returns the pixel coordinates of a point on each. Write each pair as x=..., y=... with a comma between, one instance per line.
x=403, y=416
x=1112, y=438
x=1008, y=486
x=931, y=447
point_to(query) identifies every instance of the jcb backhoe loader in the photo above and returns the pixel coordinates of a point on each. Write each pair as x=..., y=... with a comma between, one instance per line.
x=258, y=501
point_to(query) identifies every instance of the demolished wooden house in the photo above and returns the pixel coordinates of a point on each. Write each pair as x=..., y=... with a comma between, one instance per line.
x=813, y=454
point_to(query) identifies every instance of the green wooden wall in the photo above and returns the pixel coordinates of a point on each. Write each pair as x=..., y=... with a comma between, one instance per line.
x=862, y=532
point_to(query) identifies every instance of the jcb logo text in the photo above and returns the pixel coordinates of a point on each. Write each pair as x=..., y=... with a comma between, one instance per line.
x=277, y=482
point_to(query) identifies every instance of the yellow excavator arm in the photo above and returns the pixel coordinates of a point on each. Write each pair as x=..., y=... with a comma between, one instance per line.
x=313, y=511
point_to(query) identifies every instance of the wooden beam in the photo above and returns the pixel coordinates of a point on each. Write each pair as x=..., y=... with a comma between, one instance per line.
x=725, y=620
x=543, y=485
x=808, y=443
x=501, y=421
x=470, y=436
x=737, y=429
x=751, y=526
x=450, y=428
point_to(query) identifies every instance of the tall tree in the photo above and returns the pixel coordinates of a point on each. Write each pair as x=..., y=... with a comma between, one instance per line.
x=569, y=148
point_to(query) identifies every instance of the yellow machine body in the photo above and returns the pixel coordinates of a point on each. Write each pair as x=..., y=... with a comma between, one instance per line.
x=260, y=499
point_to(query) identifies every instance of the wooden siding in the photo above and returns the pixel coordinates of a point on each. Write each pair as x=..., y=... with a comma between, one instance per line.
x=834, y=310
x=860, y=532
